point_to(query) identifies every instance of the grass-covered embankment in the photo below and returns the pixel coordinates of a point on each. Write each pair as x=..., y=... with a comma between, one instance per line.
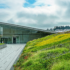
x=48, y=53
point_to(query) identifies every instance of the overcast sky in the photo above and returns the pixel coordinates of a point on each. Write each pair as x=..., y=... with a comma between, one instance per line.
x=35, y=13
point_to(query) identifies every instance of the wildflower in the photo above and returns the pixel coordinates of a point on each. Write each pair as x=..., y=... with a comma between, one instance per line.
x=15, y=66
x=25, y=57
x=54, y=39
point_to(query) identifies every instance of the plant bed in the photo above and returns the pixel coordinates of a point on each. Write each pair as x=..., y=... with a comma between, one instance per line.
x=2, y=45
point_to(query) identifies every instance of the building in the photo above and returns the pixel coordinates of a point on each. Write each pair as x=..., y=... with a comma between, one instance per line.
x=11, y=33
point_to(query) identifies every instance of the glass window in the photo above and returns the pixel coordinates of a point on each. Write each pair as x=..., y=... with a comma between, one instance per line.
x=1, y=30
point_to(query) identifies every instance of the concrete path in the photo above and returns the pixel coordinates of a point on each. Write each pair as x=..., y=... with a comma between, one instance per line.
x=9, y=55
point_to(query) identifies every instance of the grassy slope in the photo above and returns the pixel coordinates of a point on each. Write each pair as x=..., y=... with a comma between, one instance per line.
x=48, y=53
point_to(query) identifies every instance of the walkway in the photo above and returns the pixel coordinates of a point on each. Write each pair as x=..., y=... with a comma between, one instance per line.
x=9, y=55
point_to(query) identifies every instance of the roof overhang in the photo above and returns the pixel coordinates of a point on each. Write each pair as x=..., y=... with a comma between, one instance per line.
x=24, y=27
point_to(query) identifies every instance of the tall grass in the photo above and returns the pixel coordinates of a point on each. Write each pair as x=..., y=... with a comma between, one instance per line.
x=62, y=65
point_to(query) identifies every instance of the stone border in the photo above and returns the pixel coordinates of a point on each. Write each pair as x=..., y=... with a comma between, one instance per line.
x=3, y=46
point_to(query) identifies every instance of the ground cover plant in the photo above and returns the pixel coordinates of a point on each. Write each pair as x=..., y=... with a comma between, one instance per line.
x=1, y=43
x=48, y=53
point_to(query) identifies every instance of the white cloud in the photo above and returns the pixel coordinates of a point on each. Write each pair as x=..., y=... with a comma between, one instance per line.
x=13, y=3
x=48, y=15
x=45, y=2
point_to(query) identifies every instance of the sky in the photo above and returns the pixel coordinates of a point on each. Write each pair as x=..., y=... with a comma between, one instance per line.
x=41, y=14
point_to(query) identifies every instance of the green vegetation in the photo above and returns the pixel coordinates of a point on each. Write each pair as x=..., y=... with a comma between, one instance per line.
x=1, y=43
x=48, y=53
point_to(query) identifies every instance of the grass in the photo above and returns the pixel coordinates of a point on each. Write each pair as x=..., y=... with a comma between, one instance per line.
x=48, y=53
x=62, y=65
x=1, y=43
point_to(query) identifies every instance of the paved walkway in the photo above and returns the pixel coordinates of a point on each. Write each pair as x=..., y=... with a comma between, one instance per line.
x=9, y=55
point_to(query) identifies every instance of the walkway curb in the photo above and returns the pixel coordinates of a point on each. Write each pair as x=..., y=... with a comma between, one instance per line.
x=3, y=46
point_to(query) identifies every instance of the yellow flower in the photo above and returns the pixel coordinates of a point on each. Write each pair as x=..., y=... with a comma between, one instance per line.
x=54, y=39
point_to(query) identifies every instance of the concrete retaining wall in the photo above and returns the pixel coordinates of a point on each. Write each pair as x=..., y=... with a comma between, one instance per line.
x=3, y=46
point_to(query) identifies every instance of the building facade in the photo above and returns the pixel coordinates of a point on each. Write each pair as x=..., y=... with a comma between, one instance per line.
x=10, y=33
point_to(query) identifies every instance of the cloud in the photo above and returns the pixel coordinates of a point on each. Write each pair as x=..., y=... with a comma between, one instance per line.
x=65, y=8
x=35, y=20
x=13, y=3
x=63, y=23
x=45, y=2
x=67, y=14
x=4, y=16
x=39, y=13
x=3, y=6
x=62, y=3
